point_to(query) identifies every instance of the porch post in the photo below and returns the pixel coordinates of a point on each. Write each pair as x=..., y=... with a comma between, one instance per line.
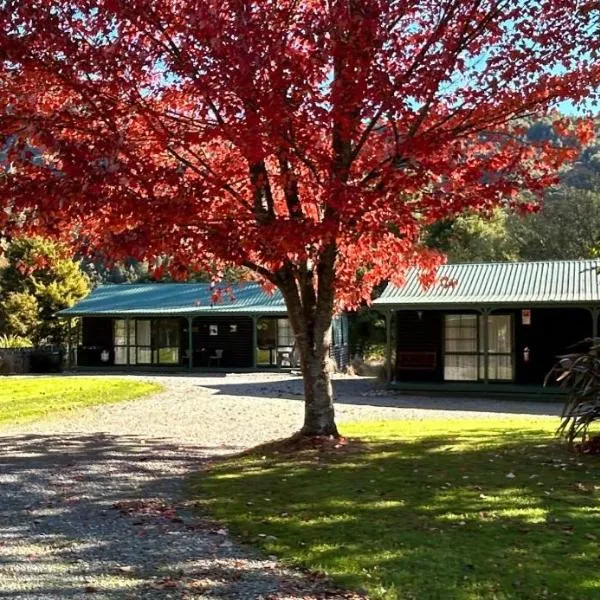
x=254, y=340
x=78, y=324
x=69, y=344
x=485, y=312
x=190, y=349
x=388, y=345
x=128, y=340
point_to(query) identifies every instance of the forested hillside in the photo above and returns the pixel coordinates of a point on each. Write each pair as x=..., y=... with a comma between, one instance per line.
x=567, y=225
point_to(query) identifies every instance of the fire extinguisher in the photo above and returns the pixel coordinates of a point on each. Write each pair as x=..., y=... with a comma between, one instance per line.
x=526, y=354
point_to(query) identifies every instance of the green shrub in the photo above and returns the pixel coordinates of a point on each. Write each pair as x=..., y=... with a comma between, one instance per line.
x=579, y=374
x=15, y=341
x=38, y=278
x=20, y=313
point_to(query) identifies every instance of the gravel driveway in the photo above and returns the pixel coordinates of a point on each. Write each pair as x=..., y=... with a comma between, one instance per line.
x=90, y=506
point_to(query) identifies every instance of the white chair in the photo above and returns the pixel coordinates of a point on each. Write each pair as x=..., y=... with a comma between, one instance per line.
x=216, y=357
x=284, y=357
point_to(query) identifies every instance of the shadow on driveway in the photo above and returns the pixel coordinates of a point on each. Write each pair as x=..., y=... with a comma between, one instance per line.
x=92, y=516
x=351, y=391
x=362, y=391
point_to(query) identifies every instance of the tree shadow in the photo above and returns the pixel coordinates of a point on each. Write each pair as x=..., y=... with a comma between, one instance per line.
x=101, y=516
x=453, y=516
x=351, y=391
x=367, y=391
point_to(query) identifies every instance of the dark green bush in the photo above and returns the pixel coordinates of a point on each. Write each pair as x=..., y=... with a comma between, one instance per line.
x=578, y=374
x=46, y=361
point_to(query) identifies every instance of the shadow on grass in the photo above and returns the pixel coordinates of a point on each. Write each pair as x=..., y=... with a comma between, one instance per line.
x=459, y=516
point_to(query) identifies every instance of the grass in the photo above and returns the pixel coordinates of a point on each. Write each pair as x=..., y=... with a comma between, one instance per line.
x=29, y=399
x=452, y=510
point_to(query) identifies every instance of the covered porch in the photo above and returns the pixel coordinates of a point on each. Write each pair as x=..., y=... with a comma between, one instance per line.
x=184, y=326
x=488, y=328
x=219, y=341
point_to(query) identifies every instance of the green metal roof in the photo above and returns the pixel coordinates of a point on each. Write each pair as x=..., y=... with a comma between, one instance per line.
x=516, y=284
x=175, y=299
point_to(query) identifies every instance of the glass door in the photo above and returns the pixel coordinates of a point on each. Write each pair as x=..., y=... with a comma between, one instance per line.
x=460, y=347
x=275, y=341
x=500, y=348
x=465, y=352
x=266, y=333
x=120, y=341
x=143, y=340
x=168, y=339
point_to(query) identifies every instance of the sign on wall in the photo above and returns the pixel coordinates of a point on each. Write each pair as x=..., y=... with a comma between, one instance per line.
x=526, y=316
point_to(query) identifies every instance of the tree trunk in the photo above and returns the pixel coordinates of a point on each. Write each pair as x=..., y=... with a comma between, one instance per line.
x=311, y=317
x=319, y=416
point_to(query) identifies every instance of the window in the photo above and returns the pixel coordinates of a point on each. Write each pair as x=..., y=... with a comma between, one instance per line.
x=120, y=355
x=464, y=347
x=460, y=348
x=143, y=341
x=168, y=342
x=146, y=341
x=273, y=335
x=500, y=348
x=131, y=337
x=120, y=341
x=120, y=332
x=267, y=333
x=460, y=367
x=461, y=333
x=500, y=368
x=337, y=331
x=285, y=334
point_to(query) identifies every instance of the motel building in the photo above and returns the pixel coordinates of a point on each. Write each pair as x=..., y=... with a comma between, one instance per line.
x=175, y=326
x=489, y=327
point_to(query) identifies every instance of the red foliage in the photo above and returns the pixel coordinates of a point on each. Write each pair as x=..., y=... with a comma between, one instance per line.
x=264, y=134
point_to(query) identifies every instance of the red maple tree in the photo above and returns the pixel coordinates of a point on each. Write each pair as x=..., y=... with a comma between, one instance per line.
x=307, y=140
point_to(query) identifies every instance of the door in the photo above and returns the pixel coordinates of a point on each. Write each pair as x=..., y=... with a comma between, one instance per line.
x=460, y=347
x=501, y=364
x=465, y=347
x=168, y=342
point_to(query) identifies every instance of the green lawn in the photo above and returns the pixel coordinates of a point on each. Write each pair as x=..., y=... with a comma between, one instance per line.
x=445, y=510
x=28, y=399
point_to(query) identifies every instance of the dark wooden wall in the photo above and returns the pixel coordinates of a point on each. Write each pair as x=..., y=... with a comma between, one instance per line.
x=419, y=335
x=550, y=334
x=96, y=336
x=236, y=346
